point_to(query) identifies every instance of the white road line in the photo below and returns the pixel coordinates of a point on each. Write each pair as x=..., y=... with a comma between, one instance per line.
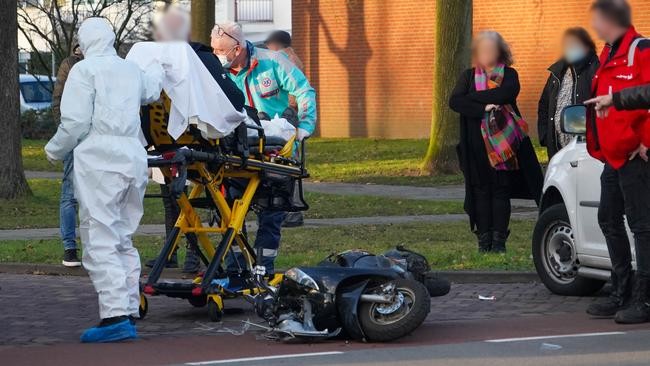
x=262, y=358
x=578, y=335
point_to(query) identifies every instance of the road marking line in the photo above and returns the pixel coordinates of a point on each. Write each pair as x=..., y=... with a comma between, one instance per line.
x=249, y=359
x=503, y=340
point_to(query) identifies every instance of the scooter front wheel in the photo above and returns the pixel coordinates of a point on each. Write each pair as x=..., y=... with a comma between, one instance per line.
x=382, y=322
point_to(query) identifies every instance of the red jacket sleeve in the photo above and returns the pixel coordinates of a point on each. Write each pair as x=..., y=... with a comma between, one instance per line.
x=642, y=61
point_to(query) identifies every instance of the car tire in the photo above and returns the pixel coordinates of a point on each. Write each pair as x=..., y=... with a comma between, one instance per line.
x=558, y=271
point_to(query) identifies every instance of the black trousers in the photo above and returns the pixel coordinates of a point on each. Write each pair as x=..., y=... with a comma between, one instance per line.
x=492, y=206
x=626, y=192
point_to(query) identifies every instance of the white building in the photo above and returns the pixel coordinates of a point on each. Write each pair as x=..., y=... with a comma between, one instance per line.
x=257, y=17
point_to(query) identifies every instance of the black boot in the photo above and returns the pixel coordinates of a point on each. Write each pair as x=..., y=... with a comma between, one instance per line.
x=499, y=241
x=293, y=219
x=192, y=262
x=639, y=309
x=484, y=242
x=617, y=300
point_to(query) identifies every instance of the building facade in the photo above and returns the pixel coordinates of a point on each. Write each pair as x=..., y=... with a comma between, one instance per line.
x=372, y=61
x=257, y=17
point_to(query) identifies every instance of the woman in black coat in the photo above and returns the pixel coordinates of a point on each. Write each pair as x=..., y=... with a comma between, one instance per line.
x=493, y=173
x=568, y=84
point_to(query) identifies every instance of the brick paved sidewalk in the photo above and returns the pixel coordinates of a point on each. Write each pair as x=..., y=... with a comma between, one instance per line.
x=46, y=310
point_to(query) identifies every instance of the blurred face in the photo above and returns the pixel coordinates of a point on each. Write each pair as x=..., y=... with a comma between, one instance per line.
x=171, y=28
x=274, y=46
x=603, y=27
x=487, y=52
x=573, y=49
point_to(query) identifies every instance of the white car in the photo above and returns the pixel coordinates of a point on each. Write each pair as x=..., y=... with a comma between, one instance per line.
x=35, y=92
x=569, y=249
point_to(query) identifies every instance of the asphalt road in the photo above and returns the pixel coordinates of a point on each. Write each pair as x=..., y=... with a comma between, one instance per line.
x=619, y=348
x=41, y=318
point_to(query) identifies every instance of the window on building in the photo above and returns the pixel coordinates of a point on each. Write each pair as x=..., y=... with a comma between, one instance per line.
x=254, y=11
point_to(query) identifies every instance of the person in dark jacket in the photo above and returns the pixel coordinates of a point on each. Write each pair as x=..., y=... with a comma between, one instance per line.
x=495, y=153
x=568, y=84
x=625, y=100
x=174, y=25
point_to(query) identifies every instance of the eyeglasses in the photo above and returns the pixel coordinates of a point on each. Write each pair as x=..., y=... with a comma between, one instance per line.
x=221, y=33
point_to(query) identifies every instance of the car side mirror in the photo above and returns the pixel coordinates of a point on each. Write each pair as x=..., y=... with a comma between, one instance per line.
x=574, y=119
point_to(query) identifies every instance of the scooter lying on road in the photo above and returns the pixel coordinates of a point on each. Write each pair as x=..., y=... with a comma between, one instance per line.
x=375, y=298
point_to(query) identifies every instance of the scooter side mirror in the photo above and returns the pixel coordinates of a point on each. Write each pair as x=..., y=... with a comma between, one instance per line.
x=574, y=119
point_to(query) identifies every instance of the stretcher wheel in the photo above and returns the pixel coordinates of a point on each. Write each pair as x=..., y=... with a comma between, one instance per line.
x=144, y=306
x=215, y=311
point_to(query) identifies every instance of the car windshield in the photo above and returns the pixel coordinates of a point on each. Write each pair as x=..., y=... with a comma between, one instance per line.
x=36, y=91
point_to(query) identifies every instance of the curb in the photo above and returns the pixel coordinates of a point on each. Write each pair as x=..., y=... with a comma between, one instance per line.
x=484, y=277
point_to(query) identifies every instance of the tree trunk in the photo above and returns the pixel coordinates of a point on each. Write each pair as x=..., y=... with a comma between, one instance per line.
x=202, y=20
x=12, y=177
x=452, y=56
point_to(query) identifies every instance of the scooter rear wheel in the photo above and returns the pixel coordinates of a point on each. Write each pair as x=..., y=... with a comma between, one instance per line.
x=387, y=322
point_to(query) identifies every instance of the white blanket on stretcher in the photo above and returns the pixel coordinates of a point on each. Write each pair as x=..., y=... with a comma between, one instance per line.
x=276, y=127
x=195, y=95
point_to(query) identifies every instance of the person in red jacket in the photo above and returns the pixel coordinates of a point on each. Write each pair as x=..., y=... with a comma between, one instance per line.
x=619, y=139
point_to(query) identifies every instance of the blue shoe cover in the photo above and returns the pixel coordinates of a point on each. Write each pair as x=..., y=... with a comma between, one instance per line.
x=111, y=333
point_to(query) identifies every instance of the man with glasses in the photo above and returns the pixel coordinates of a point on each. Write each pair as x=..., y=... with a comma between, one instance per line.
x=267, y=79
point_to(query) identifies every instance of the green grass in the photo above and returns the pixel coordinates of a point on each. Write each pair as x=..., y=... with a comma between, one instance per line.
x=34, y=157
x=354, y=160
x=42, y=209
x=332, y=206
x=448, y=246
x=361, y=160
x=393, y=162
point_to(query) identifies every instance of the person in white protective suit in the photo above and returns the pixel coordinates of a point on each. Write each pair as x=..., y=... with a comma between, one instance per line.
x=100, y=121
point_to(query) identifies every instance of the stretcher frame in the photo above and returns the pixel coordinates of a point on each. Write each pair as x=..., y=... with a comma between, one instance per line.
x=208, y=171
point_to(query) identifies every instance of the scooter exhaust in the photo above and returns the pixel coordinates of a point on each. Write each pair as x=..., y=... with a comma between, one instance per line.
x=376, y=298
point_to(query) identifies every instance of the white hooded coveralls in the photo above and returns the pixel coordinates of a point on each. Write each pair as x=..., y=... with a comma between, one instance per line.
x=100, y=120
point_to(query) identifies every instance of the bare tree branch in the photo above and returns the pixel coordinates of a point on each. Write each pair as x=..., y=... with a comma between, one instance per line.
x=55, y=23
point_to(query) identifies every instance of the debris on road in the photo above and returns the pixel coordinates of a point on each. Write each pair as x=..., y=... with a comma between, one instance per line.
x=550, y=347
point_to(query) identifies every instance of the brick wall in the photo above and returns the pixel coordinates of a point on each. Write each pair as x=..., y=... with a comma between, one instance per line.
x=371, y=61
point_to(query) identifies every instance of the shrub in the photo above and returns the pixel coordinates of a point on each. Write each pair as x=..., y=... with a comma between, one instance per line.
x=37, y=124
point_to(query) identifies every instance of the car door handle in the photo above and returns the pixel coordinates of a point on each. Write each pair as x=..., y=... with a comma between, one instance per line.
x=574, y=164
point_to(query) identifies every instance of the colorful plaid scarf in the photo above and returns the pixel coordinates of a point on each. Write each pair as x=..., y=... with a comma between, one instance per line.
x=503, y=130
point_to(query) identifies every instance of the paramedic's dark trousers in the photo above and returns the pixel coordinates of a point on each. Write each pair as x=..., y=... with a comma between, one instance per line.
x=268, y=235
x=626, y=192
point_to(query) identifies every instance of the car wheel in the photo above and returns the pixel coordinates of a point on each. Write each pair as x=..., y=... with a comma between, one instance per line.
x=555, y=255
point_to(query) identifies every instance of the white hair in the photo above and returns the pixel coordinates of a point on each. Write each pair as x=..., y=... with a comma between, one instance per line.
x=174, y=25
x=232, y=29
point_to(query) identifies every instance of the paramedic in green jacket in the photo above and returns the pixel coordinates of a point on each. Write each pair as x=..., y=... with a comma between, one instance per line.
x=267, y=78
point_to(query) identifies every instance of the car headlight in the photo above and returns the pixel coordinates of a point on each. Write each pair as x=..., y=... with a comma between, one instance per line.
x=300, y=277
